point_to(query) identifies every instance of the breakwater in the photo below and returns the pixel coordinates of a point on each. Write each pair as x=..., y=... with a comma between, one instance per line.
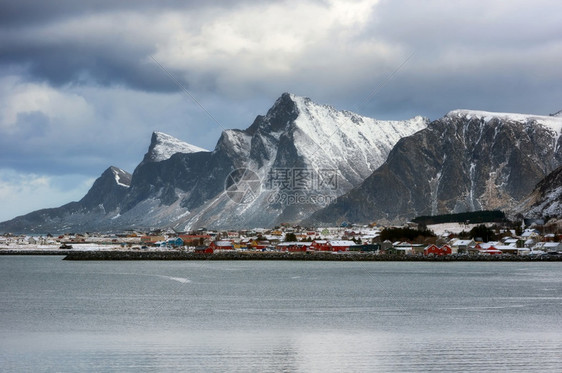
x=33, y=252
x=313, y=256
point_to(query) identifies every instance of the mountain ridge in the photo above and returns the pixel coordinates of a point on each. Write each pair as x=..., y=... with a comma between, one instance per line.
x=381, y=170
x=464, y=161
x=179, y=185
x=288, y=137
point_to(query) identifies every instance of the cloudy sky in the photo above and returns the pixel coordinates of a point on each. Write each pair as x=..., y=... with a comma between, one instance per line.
x=81, y=88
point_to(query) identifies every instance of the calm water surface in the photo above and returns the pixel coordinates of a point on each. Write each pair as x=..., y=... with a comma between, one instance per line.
x=260, y=316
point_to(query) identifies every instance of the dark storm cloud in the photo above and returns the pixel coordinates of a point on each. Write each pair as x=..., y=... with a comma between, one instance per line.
x=22, y=13
x=463, y=51
x=46, y=39
x=81, y=63
x=37, y=145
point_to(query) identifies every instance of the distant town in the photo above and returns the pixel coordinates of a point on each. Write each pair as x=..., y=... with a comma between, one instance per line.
x=409, y=240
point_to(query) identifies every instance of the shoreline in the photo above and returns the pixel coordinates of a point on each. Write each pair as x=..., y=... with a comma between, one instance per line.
x=113, y=255
x=315, y=256
x=34, y=252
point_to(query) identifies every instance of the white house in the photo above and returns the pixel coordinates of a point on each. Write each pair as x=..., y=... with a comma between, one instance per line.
x=544, y=247
x=461, y=246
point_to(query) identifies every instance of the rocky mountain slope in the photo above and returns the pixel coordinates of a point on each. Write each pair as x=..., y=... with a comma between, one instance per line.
x=303, y=155
x=465, y=161
x=545, y=200
x=286, y=165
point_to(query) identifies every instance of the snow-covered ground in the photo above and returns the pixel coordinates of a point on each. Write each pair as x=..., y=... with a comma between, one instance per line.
x=442, y=229
x=77, y=247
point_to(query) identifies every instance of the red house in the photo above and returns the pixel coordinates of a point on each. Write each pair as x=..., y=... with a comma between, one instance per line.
x=341, y=245
x=323, y=245
x=320, y=245
x=490, y=251
x=204, y=250
x=435, y=250
x=221, y=245
x=447, y=250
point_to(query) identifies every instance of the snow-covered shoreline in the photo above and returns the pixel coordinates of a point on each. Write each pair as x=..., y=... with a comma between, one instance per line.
x=49, y=248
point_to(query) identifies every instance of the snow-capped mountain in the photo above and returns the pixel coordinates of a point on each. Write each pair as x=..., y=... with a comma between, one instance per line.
x=299, y=156
x=466, y=161
x=310, y=163
x=296, y=135
x=328, y=138
x=293, y=150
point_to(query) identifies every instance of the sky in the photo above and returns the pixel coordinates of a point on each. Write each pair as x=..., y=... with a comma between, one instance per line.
x=83, y=84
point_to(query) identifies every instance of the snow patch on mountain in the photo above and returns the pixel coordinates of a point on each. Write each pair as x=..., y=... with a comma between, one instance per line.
x=163, y=146
x=236, y=141
x=335, y=139
x=546, y=198
x=549, y=205
x=122, y=178
x=553, y=203
x=552, y=122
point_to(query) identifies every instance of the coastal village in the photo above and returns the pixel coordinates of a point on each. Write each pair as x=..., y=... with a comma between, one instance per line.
x=447, y=240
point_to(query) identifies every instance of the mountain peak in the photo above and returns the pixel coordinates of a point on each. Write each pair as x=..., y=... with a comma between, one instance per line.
x=283, y=112
x=163, y=146
x=108, y=189
x=122, y=178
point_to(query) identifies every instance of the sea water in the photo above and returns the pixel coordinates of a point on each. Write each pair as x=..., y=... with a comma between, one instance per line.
x=278, y=316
